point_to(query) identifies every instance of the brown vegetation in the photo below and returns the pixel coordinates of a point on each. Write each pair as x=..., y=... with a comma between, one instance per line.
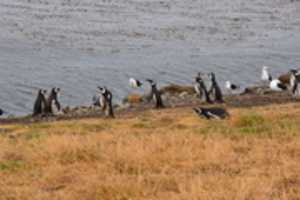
x=177, y=89
x=165, y=154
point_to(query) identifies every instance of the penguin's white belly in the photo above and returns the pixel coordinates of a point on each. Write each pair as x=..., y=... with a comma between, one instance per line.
x=54, y=109
x=197, y=89
x=292, y=81
x=102, y=101
x=154, y=98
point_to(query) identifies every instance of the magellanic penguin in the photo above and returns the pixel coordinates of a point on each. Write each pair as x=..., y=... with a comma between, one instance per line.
x=109, y=109
x=294, y=81
x=155, y=94
x=212, y=113
x=134, y=83
x=40, y=103
x=109, y=112
x=100, y=99
x=96, y=101
x=200, y=89
x=53, y=105
x=265, y=76
x=215, y=89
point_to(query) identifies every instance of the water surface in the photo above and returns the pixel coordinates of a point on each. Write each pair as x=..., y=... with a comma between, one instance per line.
x=79, y=44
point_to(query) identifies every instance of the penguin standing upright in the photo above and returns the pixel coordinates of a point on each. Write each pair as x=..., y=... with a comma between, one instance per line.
x=155, y=94
x=107, y=103
x=294, y=81
x=215, y=89
x=197, y=87
x=53, y=105
x=100, y=99
x=201, y=89
x=109, y=109
x=40, y=103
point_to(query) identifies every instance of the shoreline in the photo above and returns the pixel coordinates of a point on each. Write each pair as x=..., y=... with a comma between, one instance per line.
x=255, y=96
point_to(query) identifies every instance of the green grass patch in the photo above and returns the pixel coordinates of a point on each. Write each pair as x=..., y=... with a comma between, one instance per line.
x=32, y=135
x=11, y=165
x=95, y=127
x=252, y=123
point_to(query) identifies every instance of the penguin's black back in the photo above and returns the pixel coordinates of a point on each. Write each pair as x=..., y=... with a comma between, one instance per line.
x=109, y=109
x=213, y=112
x=221, y=112
x=203, y=88
x=216, y=90
x=158, y=100
x=139, y=83
x=39, y=104
x=155, y=94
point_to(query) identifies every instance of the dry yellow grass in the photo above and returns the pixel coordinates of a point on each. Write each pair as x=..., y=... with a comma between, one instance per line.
x=166, y=154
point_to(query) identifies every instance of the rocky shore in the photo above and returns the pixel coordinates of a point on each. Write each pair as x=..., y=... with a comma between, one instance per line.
x=173, y=96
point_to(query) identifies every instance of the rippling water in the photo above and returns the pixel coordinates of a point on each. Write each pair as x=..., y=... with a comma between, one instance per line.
x=79, y=44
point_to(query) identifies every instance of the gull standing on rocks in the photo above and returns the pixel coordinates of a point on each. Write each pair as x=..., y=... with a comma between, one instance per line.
x=265, y=76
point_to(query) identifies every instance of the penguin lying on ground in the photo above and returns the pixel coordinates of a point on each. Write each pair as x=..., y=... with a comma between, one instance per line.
x=212, y=113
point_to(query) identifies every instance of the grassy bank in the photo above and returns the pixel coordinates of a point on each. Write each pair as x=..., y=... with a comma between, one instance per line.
x=155, y=155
